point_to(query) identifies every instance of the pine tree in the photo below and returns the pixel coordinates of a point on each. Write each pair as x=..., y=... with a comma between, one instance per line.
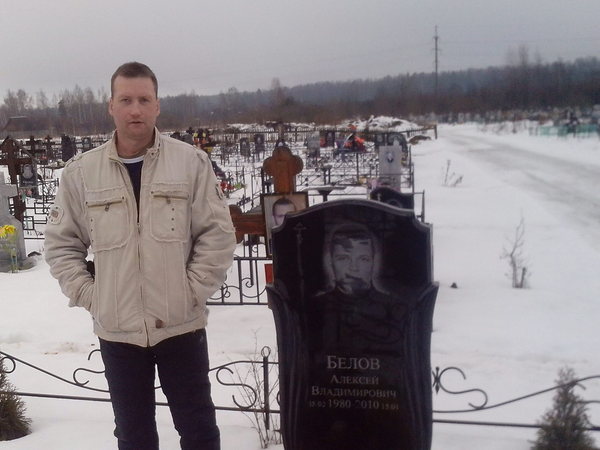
x=13, y=423
x=563, y=426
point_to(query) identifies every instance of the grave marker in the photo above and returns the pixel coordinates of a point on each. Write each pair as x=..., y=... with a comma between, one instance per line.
x=245, y=147
x=392, y=163
x=283, y=167
x=313, y=146
x=259, y=143
x=353, y=298
x=10, y=157
x=12, y=246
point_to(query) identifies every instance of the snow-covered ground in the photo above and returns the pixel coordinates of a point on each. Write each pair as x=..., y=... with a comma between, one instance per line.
x=508, y=342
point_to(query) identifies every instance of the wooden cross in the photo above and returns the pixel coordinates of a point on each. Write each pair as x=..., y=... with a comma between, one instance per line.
x=9, y=156
x=283, y=166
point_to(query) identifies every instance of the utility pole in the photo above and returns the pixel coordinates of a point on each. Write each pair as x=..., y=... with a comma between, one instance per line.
x=436, y=38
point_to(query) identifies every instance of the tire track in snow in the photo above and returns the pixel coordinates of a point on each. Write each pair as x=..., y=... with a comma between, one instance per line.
x=571, y=187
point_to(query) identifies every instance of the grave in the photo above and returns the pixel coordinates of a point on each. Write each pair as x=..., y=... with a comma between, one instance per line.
x=393, y=163
x=259, y=143
x=86, y=144
x=11, y=156
x=353, y=298
x=245, y=147
x=67, y=147
x=283, y=167
x=379, y=139
x=313, y=146
x=12, y=245
x=328, y=138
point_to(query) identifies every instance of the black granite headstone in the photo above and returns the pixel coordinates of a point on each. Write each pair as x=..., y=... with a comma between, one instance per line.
x=86, y=144
x=245, y=147
x=259, y=142
x=329, y=138
x=68, y=148
x=353, y=301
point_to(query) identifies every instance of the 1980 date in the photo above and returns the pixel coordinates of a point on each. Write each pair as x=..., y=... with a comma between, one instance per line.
x=344, y=403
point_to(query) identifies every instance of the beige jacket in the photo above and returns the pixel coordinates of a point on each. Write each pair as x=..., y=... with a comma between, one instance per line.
x=153, y=275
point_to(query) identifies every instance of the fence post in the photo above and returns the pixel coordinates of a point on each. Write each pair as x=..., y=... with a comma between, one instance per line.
x=266, y=351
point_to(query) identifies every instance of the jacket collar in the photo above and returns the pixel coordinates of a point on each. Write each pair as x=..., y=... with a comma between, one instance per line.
x=152, y=151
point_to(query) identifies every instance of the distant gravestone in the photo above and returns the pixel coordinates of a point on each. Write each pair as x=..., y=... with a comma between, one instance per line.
x=313, y=146
x=379, y=139
x=353, y=301
x=245, y=147
x=259, y=142
x=329, y=138
x=17, y=243
x=392, y=161
x=86, y=144
x=67, y=147
x=394, y=136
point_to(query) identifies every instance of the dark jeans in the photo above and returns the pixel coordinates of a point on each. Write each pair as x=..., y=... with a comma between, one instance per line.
x=182, y=363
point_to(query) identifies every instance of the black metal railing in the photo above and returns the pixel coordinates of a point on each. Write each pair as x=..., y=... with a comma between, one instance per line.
x=255, y=389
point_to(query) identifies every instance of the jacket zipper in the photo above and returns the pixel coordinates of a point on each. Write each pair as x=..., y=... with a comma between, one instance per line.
x=139, y=232
x=106, y=205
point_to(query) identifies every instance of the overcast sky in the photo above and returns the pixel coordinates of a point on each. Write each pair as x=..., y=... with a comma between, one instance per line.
x=211, y=46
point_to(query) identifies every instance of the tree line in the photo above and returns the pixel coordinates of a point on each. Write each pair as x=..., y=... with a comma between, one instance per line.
x=522, y=85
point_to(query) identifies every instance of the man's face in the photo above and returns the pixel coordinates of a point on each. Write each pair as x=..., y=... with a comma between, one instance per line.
x=279, y=212
x=353, y=265
x=134, y=108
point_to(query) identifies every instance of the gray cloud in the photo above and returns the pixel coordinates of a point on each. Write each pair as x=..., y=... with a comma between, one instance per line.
x=209, y=47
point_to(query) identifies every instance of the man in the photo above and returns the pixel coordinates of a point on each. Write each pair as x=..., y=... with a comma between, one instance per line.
x=155, y=218
x=281, y=207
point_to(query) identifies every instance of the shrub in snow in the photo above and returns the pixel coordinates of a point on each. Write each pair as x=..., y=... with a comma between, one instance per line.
x=13, y=423
x=451, y=179
x=564, y=426
x=251, y=384
x=519, y=273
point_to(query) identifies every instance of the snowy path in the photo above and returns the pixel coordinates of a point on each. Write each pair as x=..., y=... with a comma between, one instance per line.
x=559, y=179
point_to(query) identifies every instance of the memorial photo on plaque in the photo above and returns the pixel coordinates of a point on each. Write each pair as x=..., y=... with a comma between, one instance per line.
x=353, y=298
x=276, y=206
x=28, y=176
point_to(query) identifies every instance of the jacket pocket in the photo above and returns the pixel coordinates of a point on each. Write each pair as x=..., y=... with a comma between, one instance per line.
x=169, y=213
x=108, y=219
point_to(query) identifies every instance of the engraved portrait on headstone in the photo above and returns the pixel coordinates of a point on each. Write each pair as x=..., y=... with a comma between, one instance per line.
x=353, y=301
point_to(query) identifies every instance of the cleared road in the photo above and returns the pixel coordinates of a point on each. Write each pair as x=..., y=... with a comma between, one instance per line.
x=572, y=187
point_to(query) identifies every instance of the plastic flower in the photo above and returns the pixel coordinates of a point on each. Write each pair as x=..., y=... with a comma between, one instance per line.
x=9, y=230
